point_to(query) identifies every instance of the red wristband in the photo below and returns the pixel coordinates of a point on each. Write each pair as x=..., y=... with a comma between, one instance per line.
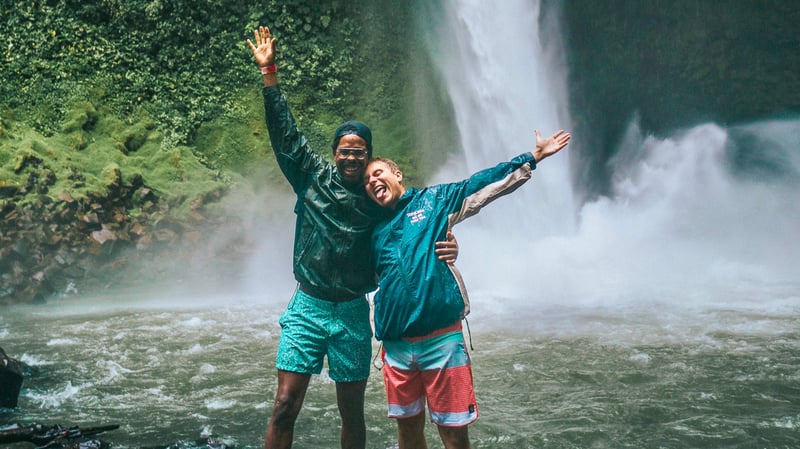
x=268, y=69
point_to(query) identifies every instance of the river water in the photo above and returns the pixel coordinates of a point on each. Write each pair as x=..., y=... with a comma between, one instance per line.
x=174, y=370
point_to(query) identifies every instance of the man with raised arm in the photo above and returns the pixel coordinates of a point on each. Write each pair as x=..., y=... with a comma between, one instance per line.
x=421, y=301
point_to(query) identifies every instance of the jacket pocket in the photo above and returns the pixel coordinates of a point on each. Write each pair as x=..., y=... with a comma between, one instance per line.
x=305, y=243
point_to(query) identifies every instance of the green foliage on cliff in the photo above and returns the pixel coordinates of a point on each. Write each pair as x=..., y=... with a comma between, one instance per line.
x=145, y=83
x=181, y=61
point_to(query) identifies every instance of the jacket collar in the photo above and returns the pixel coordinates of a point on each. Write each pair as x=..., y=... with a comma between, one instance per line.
x=405, y=198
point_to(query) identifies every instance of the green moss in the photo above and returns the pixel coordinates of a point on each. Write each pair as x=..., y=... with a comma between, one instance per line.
x=191, y=123
x=235, y=140
x=102, y=163
x=111, y=176
x=176, y=175
x=81, y=117
x=136, y=135
x=26, y=158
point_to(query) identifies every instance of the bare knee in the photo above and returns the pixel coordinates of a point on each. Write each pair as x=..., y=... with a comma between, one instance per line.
x=289, y=398
x=455, y=437
x=286, y=408
x=350, y=401
x=411, y=432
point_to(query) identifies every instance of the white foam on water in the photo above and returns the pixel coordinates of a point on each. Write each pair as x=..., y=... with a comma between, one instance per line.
x=57, y=397
x=220, y=404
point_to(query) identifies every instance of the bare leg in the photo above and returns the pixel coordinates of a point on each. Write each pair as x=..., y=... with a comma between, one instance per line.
x=350, y=398
x=455, y=437
x=411, y=432
x=288, y=401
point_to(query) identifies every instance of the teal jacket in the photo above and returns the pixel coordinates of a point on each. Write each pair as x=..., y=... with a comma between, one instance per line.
x=418, y=293
x=334, y=223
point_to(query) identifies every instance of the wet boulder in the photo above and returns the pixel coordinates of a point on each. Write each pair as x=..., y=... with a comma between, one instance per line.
x=11, y=374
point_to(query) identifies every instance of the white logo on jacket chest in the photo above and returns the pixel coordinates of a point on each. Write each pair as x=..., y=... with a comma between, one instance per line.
x=416, y=216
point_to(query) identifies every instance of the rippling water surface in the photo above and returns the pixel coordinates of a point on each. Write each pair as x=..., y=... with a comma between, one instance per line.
x=627, y=376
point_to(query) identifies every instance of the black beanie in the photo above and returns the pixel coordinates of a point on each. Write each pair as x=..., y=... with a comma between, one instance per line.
x=353, y=127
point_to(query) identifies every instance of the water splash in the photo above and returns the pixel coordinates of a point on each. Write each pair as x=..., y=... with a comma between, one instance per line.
x=687, y=222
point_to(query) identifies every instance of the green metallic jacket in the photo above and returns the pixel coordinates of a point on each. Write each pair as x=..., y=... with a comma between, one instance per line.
x=332, y=256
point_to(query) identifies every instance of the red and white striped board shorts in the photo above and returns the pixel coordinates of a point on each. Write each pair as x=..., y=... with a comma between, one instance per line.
x=434, y=368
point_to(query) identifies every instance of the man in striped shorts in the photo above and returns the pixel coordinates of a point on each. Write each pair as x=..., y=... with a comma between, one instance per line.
x=421, y=300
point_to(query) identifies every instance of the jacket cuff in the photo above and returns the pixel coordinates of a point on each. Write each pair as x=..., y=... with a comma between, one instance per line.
x=271, y=90
x=526, y=157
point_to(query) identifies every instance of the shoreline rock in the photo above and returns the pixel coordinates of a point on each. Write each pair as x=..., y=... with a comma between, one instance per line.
x=51, y=248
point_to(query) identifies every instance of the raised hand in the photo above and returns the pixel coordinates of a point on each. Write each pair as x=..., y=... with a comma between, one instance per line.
x=551, y=145
x=264, y=47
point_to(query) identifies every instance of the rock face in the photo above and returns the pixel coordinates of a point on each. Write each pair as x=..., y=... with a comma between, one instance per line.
x=69, y=219
x=49, y=247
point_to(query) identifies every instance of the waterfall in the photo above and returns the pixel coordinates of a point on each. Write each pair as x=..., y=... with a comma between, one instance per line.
x=684, y=225
x=504, y=86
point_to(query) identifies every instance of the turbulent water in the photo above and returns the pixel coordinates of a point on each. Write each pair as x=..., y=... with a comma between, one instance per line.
x=652, y=375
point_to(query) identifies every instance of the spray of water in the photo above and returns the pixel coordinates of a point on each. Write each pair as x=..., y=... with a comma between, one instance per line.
x=683, y=224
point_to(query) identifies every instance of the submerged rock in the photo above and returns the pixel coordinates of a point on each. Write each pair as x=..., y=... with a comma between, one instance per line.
x=12, y=372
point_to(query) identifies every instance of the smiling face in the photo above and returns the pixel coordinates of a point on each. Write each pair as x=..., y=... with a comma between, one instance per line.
x=351, y=165
x=383, y=181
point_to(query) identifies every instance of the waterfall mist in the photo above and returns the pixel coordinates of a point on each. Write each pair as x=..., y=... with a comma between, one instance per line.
x=685, y=224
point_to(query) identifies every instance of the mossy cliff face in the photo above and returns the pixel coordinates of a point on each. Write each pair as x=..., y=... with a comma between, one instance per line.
x=77, y=205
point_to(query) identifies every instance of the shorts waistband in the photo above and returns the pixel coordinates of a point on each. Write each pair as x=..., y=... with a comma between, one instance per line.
x=455, y=327
x=328, y=305
x=311, y=291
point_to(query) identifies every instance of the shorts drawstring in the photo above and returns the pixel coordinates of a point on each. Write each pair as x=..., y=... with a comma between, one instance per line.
x=379, y=365
x=469, y=334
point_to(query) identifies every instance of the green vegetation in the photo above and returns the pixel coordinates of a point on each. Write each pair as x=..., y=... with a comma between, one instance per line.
x=167, y=90
x=77, y=160
x=124, y=126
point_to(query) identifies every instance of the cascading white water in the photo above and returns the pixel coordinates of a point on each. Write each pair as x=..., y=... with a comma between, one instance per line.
x=504, y=87
x=679, y=227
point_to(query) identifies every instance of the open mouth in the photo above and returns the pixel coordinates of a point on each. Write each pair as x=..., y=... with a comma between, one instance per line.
x=379, y=192
x=351, y=170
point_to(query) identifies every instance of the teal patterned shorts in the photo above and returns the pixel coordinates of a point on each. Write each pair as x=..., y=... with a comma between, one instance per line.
x=313, y=328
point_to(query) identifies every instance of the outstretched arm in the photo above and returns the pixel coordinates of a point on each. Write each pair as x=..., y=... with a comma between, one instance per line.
x=264, y=53
x=487, y=185
x=551, y=145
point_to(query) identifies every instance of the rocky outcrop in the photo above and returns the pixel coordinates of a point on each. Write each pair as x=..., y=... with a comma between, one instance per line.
x=52, y=246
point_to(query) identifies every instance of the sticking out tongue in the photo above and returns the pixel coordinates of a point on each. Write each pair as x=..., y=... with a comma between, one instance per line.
x=381, y=193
